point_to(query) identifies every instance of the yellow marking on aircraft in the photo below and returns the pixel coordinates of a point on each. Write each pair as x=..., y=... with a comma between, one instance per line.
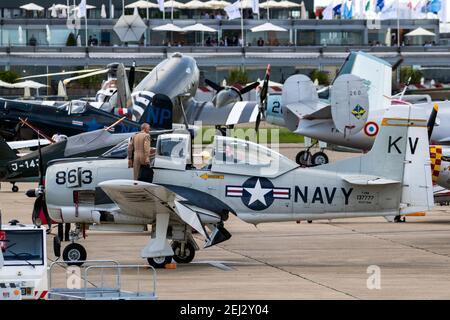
x=398, y=122
x=206, y=176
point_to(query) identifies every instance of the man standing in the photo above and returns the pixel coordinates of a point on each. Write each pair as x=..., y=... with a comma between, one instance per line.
x=139, y=150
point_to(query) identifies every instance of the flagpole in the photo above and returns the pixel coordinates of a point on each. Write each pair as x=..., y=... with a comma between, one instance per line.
x=398, y=23
x=242, y=24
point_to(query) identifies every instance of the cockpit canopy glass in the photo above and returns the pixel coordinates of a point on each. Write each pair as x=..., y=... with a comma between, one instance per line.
x=73, y=107
x=119, y=151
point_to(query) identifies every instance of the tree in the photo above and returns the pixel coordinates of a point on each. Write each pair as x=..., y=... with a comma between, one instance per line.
x=407, y=72
x=237, y=76
x=9, y=76
x=321, y=76
x=71, y=40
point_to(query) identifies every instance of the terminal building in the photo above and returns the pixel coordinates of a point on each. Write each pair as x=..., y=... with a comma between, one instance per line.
x=42, y=41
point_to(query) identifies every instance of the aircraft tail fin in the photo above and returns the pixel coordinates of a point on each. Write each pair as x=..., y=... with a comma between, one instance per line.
x=158, y=112
x=6, y=153
x=400, y=155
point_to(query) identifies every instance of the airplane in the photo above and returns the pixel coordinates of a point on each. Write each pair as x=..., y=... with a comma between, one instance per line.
x=251, y=181
x=176, y=77
x=314, y=114
x=93, y=143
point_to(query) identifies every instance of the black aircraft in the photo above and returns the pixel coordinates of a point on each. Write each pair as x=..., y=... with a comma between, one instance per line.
x=87, y=144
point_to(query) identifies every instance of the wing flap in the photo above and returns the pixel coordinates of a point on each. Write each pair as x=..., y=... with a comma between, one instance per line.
x=364, y=180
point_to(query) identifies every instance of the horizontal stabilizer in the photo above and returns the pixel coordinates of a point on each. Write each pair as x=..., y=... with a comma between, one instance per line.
x=364, y=180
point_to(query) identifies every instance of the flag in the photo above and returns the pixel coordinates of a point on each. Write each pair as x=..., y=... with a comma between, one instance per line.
x=255, y=6
x=444, y=14
x=82, y=9
x=434, y=6
x=337, y=8
x=379, y=6
x=233, y=10
x=327, y=13
x=367, y=7
x=389, y=10
x=348, y=12
x=161, y=5
x=419, y=11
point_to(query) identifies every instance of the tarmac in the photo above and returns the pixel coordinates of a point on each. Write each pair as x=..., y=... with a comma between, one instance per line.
x=363, y=258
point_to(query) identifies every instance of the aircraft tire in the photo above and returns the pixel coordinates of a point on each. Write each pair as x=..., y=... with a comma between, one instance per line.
x=319, y=158
x=159, y=262
x=189, y=251
x=74, y=253
x=15, y=188
x=303, y=158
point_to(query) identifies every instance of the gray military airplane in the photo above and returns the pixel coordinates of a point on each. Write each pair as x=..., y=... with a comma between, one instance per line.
x=251, y=181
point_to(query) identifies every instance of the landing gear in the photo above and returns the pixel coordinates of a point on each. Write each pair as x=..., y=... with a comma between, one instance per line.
x=14, y=187
x=74, y=254
x=222, y=130
x=184, y=252
x=306, y=159
x=159, y=262
x=399, y=219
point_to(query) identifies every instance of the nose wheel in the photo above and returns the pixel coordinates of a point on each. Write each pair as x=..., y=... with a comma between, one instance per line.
x=159, y=262
x=14, y=187
x=74, y=254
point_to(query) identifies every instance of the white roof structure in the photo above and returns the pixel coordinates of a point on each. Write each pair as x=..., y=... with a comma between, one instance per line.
x=142, y=4
x=168, y=27
x=31, y=7
x=199, y=27
x=420, y=32
x=267, y=27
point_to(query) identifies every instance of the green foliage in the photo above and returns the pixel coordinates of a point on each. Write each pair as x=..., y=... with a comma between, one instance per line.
x=237, y=76
x=8, y=76
x=71, y=40
x=321, y=76
x=406, y=72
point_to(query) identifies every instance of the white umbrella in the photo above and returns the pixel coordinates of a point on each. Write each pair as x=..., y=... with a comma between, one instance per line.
x=61, y=90
x=53, y=12
x=217, y=4
x=79, y=41
x=196, y=4
x=49, y=35
x=31, y=7
x=420, y=32
x=168, y=27
x=20, y=31
x=173, y=4
x=103, y=11
x=135, y=11
x=246, y=4
x=28, y=84
x=271, y=4
x=303, y=12
x=267, y=27
x=141, y=4
x=112, y=12
x=130, y=28
x=289, y=4
x=60, y=6
x=199, y=27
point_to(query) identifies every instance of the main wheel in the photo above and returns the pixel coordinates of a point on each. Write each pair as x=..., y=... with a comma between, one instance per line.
x=303, y=158
x=189, y=252
x=319, y=158
x=159, y=262
x=74, y=253
x=15, y=188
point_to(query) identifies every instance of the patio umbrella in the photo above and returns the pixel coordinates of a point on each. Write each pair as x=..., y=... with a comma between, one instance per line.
x=103, y=12
x=267, y=27
x=28, y=84
x=420, y=32
x=20, y=37
x=53, y=12
x=49, y=35
x=78, y=41
x=217, y=4
x=130, y=28
x=31, y=7
x=173, y=4
x=303, y=12
x=168, y=27
x=135, y=11
x=271, y=4
x=199, y=27
x=196, y=4
x=61, y=90
x=246, y=4
x=289, y=4
x=141, y=4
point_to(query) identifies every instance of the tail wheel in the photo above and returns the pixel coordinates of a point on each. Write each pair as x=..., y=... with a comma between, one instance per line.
x=319, y=158
x=15, y=188
x=185, y=257
x=74, y=254
x=159, y=262
x=303, y=158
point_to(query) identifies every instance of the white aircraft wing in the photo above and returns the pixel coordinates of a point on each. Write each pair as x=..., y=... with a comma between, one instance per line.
x=367, y=180
x=230, y=114
x=145, y=200
x=27, y=144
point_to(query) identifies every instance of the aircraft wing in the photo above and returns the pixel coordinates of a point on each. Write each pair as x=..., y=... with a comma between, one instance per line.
x=145, y=200
x=367, y=180
x=27, y=144
x=310, y=110
x=235, y=113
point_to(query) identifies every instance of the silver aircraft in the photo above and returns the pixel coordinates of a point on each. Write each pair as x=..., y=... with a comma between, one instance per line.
x=251, y=181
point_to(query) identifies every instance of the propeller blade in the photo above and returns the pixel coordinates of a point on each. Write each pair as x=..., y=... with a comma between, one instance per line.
x=397, y=64
x=59, y=73
x=131, y=76
x=265, y=87
x=41, y=164
x=66, y=81
x=432, y=120
x=213, y=85
x=258, y=121
x=250, y=87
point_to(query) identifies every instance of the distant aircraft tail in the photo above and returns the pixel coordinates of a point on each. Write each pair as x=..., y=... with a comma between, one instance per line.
x=158, y=112
x=6, y=153
x=400, y=155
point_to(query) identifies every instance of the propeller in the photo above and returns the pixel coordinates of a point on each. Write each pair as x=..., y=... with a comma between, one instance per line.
x=263, y=99
x=39, y=203
x=131, y=75
x=217, y=87
x=432, y=120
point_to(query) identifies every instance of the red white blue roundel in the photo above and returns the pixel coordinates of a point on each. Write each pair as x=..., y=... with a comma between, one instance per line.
x=258, y=193
x=371, y=129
